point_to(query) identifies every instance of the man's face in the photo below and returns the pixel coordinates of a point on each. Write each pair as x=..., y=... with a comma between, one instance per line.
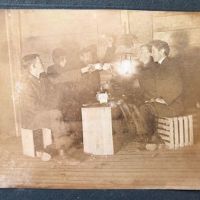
x=37, y=68
x=86, y=58
x=157, y=54
x=144, y=55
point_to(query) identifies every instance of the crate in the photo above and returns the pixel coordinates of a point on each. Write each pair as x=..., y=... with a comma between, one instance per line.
x=176, y=132
x=35, y=140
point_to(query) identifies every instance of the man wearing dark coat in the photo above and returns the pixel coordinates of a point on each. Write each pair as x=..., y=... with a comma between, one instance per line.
x=38, y=101
x=146, y=77
x=165, y=89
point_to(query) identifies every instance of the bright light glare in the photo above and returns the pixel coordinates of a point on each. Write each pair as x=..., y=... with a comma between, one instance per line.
x=127, y=67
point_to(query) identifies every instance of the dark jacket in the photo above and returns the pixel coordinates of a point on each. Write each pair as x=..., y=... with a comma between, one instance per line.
x=164, y=81
x=168, y=81
x=169, y=86
x=147, y=81
x=37, y=95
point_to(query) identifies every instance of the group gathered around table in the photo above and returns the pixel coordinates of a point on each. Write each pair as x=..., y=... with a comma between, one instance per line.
x=151, y=85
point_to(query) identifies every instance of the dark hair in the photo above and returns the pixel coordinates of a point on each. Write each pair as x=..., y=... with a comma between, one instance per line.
x=57, y=54
x=159, y=44
x=29, y=59
x=148, y=46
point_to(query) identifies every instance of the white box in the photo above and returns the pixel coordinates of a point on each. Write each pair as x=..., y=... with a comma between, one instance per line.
x=97, y=130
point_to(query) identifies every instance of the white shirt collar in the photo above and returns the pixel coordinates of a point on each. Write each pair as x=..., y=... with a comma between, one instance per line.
x=161, y=60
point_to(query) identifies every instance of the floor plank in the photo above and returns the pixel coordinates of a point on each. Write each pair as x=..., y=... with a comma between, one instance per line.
x=127, y=168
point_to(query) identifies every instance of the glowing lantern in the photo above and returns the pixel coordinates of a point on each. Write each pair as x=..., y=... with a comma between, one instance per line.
x=127, y=66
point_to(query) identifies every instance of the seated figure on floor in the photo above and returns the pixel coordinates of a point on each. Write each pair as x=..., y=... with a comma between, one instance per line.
x=162, y=86
x=39, y=105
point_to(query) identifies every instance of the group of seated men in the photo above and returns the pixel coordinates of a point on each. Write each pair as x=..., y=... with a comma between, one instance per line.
x=45, y=100
x=49, y=100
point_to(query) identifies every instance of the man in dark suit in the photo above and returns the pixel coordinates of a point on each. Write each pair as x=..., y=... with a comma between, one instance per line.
x=38, y=103
x=165, y=90
x=147, y=73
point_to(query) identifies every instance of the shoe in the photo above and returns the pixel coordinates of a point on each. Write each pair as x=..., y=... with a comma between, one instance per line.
x=45, y=156
x=151, y=147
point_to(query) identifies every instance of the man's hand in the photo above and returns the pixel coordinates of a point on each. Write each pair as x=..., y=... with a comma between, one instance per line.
x=106, y=66
x=94, y=67
x=160, y=100
x=156, y=100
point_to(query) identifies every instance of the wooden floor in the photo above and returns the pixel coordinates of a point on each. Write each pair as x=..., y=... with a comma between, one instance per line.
x=128, y=168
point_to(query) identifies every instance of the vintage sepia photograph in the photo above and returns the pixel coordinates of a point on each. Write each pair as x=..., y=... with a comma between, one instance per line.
x=99, y=99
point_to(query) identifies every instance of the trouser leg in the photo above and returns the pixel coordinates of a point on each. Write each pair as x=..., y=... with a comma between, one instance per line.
x=146, y=120
x=130, y=122
x=53, y=120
